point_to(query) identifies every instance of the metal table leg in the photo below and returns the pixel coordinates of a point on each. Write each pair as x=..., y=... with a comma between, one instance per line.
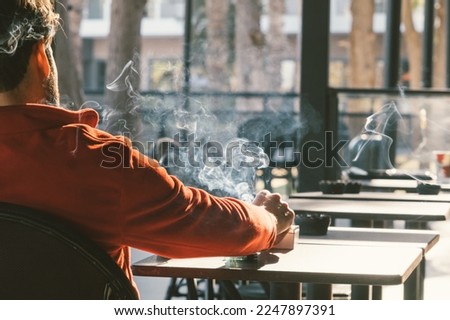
x=413, y=287
x=319, y=291
x=285, y=291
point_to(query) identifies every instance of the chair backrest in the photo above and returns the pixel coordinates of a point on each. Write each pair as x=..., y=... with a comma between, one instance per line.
x=42, y=257
x=284, y=131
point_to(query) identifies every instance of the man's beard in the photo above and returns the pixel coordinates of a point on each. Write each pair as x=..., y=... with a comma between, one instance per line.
x=51, y=90
x=51, y=83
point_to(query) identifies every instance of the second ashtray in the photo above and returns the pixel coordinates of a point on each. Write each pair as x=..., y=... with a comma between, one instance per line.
x=332, y=187
x=312, y=224
x=428, y=188
x=352, y=187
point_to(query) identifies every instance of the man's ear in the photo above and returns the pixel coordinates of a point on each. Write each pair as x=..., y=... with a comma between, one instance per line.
x=42, y=60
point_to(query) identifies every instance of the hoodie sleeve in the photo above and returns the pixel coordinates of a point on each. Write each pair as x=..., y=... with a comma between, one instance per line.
x=161, y=215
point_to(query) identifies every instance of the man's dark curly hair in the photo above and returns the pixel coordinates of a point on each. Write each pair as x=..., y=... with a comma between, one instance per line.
x=22, y=24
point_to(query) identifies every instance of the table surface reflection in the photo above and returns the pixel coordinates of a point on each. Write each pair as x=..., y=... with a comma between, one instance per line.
x=312, y=263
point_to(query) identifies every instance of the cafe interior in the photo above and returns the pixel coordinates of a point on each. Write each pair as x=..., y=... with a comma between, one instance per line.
x=338, y=105
x=350, y=155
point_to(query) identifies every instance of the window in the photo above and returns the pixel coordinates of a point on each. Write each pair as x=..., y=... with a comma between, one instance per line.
x=153, y=9
x=94, y=9
x=172, y=9
x=292, y=7
x=380, y=6
x=340, y=7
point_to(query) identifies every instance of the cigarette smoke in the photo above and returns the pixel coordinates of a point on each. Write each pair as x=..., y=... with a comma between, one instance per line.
x=417, y=136
x=187, y=134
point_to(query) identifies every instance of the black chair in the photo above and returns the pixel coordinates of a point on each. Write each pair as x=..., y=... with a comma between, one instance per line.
x=278, y=134
x=43, y=258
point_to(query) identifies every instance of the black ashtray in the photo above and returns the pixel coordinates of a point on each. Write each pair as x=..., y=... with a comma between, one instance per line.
x=332, y=186
x=251, y=258
x=428, y=188
x=352, y=187
x=312, y=224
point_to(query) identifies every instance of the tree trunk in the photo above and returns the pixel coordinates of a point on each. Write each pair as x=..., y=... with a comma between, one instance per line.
x=362, y=45
x=124, y=44
x=217, y=51
x=413, y=46
x=68, y=59
x=276, y=44
x=362, y=67
x=75, y=10
x=249, y=45
x=439, y=40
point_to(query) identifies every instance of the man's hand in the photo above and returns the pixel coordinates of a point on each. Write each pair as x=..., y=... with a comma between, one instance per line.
x=272, y=203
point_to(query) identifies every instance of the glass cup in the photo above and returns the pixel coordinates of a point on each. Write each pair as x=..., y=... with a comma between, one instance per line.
x=442, y=159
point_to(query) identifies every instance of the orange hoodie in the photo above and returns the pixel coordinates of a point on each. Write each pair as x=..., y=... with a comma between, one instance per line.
x=56, y=160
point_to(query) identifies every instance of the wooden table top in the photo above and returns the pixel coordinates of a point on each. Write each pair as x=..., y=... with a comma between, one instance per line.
x=372, y=209
x=382, y=196
x=423, y=239
x=396, y=184
x=310, y=263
